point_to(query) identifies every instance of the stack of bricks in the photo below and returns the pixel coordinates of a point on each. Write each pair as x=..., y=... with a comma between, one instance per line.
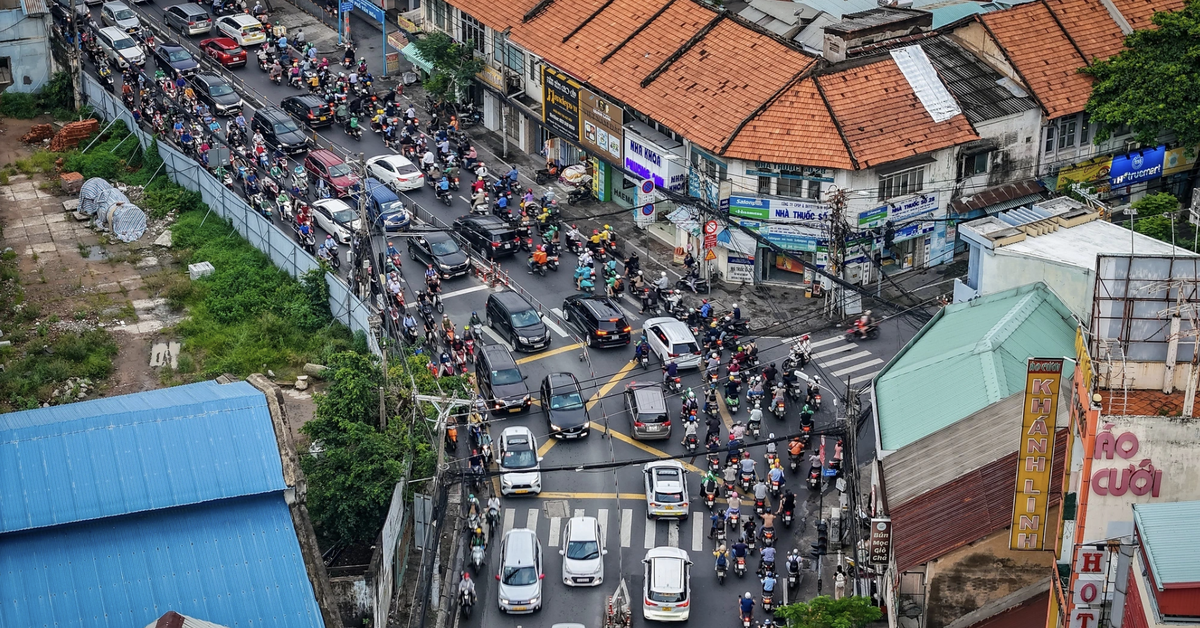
x=38, y=133
x=71, y=182
x=73, y=133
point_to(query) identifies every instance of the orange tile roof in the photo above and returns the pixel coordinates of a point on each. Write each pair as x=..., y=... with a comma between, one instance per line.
x=1044, y=57
x=1139, y=12
x=615, y=24
x=1142, y=403
x=881, y=117
x=795, y=129
x=1089, y=24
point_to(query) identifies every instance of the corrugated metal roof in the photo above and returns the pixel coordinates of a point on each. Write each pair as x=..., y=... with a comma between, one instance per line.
x=968, y=357
x=134, y=453
x=34, y=7
x=234, y=562
x=1170, y=540
x=974, y=84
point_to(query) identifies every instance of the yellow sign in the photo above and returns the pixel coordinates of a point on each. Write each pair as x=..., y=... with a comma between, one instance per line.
x=1179, y=159
x=1035, y=455
x=1083, y=361
x=710, y=256
x=1093, y=170
x=492, y=77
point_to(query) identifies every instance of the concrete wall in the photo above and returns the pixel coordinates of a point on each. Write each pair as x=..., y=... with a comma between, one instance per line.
x=985, y=571
x=26, y=42
x=975, y=38
x=1016, y=138
x=1073, y=285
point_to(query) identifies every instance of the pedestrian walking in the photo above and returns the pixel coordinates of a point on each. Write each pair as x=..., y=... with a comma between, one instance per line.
x=839, y=584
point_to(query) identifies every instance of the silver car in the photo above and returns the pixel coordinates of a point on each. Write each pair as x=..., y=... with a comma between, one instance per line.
x=666, y=489
x=583, y=553
x=118, y=14
x=671, y=339
x=520, y=469
x=188, y=18
x=666, y=586
x=520, y=573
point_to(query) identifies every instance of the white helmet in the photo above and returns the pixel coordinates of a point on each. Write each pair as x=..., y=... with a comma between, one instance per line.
x=735, y=306
x=748, y=596
x=771, y=436
x=664, y=274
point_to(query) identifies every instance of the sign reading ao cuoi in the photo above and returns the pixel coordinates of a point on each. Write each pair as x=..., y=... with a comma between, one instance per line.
x=778, y=210
x=1142, y=165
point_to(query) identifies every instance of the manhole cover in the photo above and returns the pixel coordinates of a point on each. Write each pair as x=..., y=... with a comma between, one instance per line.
x=555, y=508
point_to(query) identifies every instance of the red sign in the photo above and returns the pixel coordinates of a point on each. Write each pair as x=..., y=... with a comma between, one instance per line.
x=710, y=234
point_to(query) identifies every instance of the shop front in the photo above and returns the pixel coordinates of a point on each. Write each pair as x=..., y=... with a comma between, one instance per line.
x=918, y=232
x=651, y=155
x=793, y=224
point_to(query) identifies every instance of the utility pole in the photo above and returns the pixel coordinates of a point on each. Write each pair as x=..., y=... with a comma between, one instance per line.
x=850, y=475
x=838, y=230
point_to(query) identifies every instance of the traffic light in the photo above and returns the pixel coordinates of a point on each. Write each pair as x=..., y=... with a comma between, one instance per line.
x=821, y=547
x=889, y=235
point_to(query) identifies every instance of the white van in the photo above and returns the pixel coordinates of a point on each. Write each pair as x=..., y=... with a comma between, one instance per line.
x=120, y=48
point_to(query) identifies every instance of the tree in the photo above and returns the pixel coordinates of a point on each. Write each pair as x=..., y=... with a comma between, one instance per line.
x=1151, y=85
x=454, y=66
x=353, y=392
x=826, y=612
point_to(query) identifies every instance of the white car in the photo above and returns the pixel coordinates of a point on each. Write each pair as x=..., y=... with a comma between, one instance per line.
x=666, y=489
x=337, y=218
x=396, y=172
x=520, y=465
x=583, y=553
x=666, y=587
x=121, y=16
x=243, y=29
x=671, y=339
x=120, y=48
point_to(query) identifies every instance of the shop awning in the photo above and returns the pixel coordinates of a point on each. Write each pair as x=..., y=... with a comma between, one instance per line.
x=998, y=199
x=686, y=218
x=411, y=53
x=737, y=242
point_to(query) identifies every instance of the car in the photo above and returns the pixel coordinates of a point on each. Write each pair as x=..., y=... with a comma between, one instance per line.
x=310, y=109
x=666, y=585
x=119, y=14
x=322, y=164
x=188, y=19
x=583, y=553
x=397, y=172
x=519, y=462
x=671, y=339
x=61, y=10
x=169, y=56
x=562, y=402
x=279, y=130
x=440, y=249
x=647, y=409
x=224, y=50
x=384, y=208
x=337, y=218
x=520, y=573
x=489, y=235
x=598, y=318
x=218, y=94
x=666, y=489
x=243, y=29
x=511, y=316
x=501, y=383
x=120, y=49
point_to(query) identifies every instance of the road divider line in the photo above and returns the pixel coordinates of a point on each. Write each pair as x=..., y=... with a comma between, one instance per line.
x=651, y=533
x=570, y=495
x=546, y=445
x=644, y=447
x=857, y=367
x=834, y=351
x=509, y=519
x=626, y=526
x=545, y=354
x=848, y=358
x=673, y=533
x=602, y=519
x=531, y=519
x=554, y=528
x=697, y=533
x=609, y=385
x=459, y=293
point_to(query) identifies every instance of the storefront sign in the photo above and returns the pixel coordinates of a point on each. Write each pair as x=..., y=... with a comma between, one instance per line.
x=1035, y=454
x=1142, y=165
x=1180, y=159
x=710, y=234
x=601, y=126
x=740, y=269
x=1138, y=478
x=881, y=540
x=599, y=179
x=1085, y=618
x=1092, y=170
x=778, y=210
x=650, y=162
x=560, y=103
x=792, y=238
x=913, y=230
x=492, y=78
x=898, y=211
x=789, y=171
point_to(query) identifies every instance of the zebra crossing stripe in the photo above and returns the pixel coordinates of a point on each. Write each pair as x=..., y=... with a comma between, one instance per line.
x=651, y=532
x=509, y=519
x=554, y=528
x=531, y=522
x=857, y=367
x=602, y=519
x=626, y=526
x=579, y=512
x=847, y=358
x=673, y=533
x=697, y=532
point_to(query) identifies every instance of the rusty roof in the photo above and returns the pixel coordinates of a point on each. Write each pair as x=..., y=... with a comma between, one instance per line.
x=882, y=118
x=796, y=128
x=1139, y=12
x=1142, y=403
x=1089, y=26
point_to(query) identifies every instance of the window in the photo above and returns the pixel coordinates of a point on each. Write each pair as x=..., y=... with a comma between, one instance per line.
x=708, y=166
x=975, y=164
x=439, y=14
x=471, y=30
x=814, y=190
x=901, y=183
x=514, y=58
x=791, y=187
x=1050, y=139
x=1066, y=133
x=5, y=71
x=1083, y=130
x=764, y=185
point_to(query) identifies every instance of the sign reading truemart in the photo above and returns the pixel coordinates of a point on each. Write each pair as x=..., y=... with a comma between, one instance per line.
x=1035, y=455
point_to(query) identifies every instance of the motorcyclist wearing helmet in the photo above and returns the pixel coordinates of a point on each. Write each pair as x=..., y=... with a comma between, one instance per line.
x=747, y=605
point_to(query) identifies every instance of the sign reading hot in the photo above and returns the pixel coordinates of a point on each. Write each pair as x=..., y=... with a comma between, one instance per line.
x=1035, y=454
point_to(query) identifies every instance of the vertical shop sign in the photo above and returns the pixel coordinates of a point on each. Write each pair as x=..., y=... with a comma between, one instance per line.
x=1035, y=454
x=560, y=103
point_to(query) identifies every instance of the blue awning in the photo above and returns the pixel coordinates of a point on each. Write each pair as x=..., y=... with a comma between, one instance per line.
x=411, y=53
x=685, y=218
x=737, y=242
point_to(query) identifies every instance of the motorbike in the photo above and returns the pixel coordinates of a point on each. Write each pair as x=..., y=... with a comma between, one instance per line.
x=477, y=556
x=444, y=196
x=710, y=495
x=277, y=78
x=466, y=603
x=767, y=600
x=479, y=204
x=747, y=619
x=799, y=355
x=793, y=575
x=675, y=385
x=788, y=517
x=760, y=506
x=739, y=566
x=581, y=193
x=720, y=574
x=753, y=426
x=768, y=537
x=747, y=481
x=776, y=487
x=691, y=443
x=308, y=242
x=355, y=132
x=733, y=518
x=714, y=462
x=693, y=284
x=779, y=408
x=732, y=403
x=871, y=332
x=644, y=359
x=814, y=478
x=552, y=262
x=538, y=267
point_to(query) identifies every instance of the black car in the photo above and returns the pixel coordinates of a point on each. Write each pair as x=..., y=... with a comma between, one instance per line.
x=440, y=249
x=562, y=401
x=170, y=58
x=279, y=130
x=511, y=316
x=489, y=235
x=61, y=10
x=598, y=318
x=313, y=110
x=501, y=383
x=218, y=94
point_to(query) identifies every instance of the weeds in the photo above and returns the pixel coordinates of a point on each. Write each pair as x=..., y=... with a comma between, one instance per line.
x=33, y=376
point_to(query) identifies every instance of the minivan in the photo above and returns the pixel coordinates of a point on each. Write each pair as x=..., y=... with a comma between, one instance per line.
x=670, y=339
x=119, y=47
x=647, y=408
x=385, y=208
x=279, y=130
x=666, y=585
x=501, y=383
x=519, y=462
x=121, y=16
x=188, y=18
x=338, y=175
x=511, y=316
x=520, y=572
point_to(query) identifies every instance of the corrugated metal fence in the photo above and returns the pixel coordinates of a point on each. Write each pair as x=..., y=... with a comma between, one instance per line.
x=262, y=234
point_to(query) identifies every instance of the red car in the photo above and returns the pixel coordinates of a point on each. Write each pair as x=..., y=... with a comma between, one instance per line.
x=224, y=50
x=337, y=174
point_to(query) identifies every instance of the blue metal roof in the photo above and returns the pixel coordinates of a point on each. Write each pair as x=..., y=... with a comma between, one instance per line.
x=234, y=562
x=135, y=453
x=1168, y=533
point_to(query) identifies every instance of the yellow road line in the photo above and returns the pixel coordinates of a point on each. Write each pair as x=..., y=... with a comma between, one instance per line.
x=545, y=354
x=723, y=410
x=616, y=379
x=646, y=448
x=563, y=495
x=546, y=445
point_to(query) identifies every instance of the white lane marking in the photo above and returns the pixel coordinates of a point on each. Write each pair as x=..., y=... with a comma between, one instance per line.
x=833, y=351
x=651, y=533
x=602, y=519
x=463, y=199
x=458, y=293
x=819, y=343
x=673, y=533
x=626, y=526
x=510, y=515
x=862, y=378
x=697, y=531
x=857, y=367
x=558, y=330
x=494, y=336
x=848, y=358
x=554, y=528
x=531, y=521
x=579, y=512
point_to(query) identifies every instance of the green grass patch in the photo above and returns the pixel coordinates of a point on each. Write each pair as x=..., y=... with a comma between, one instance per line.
x=31, y=377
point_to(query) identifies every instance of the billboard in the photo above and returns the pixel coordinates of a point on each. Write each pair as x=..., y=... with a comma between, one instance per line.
x=1142, y=165
x=602, y=126
x=560, y=103
x=1035, y=454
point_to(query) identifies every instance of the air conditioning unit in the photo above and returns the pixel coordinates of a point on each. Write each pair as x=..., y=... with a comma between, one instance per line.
x=1132, y=145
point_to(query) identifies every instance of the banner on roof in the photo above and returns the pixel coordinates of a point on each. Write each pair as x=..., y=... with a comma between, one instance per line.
x=560, y=103
x=1035, y=454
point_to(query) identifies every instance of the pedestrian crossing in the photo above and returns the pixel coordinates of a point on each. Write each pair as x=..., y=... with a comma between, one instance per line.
x=688, y=534
x=842, y=359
